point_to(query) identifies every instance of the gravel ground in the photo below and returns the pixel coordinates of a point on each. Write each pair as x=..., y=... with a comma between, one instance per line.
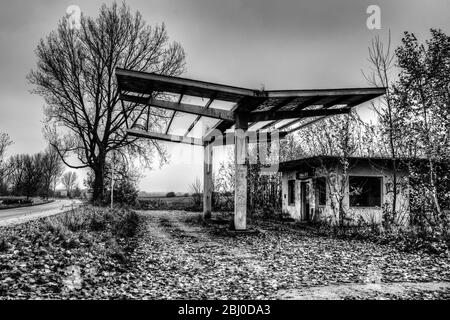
x=181, y=260
x=176, y=257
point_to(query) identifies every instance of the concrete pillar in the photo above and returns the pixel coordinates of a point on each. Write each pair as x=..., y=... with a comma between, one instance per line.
x=207, y=181
x=240, y=155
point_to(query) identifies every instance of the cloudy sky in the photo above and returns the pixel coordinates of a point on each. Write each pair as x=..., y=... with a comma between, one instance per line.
x=284, y=44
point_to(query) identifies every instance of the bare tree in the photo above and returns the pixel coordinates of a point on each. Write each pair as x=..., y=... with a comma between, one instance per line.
x=223, y=195
x=25, y=174
x=324, y=138
x=15, y=174
x=69, y=180
x=52, y=169
x=75, y=76
x=5, y=142
x=196, y=193
x=382, y=62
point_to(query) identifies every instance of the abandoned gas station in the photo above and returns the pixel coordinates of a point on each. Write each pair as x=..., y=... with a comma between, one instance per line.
x=233, y=115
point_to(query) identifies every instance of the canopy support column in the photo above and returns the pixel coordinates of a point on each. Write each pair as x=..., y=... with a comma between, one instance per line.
x=207, y=180
x=240, y=157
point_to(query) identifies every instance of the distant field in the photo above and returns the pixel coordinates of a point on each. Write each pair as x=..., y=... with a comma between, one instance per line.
x=165, y=203
x=178, y=199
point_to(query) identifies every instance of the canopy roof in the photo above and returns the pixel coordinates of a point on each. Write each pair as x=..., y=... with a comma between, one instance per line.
x=325, y=160
x=216, y=106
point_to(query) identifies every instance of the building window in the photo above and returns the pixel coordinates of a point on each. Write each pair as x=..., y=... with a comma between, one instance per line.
x=291, y=192
x=365, y=191
x=321, y=188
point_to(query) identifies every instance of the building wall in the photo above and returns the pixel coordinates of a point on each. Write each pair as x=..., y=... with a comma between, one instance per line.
x=294, y=209
x=336, y=185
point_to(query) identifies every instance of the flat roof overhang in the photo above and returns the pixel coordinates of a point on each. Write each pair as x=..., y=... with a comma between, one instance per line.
x=326, y=160
x=265, y=110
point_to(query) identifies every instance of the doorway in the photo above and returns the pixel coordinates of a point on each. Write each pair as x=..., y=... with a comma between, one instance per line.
x=304, y=200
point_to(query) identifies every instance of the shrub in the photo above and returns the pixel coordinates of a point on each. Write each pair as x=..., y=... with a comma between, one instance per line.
x=98, y=221
x=223, y=201
x=115, y=250
x=56, y=227
x=126, y=193
x=170, y=194
x=8, y=202
x=74, y=221
x=16, y=201
x=195, y=219
x=122, y=223
x=4, y=245
x=126, y=226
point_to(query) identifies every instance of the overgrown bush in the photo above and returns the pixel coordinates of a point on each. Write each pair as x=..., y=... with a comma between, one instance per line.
x=126, y=193
x=196, y=219
x=223, y=201
x=74, y=228
x=408, y=239
x=16, y=201
x=8, y=202
x=127, y=224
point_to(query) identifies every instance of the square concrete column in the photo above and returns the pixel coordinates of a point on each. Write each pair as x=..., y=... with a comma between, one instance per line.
x=240, y=156
x=207, y=181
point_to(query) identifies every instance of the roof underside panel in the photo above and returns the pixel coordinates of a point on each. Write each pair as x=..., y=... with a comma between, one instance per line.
x=258, y=125
x=199, y=101
x=222, y=105
x=202, y=126
x=180, y=122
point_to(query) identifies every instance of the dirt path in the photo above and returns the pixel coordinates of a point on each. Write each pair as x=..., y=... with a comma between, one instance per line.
x=365, y=291
x=178, y=258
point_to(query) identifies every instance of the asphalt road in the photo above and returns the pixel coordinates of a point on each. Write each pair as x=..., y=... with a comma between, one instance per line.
x=20, y=215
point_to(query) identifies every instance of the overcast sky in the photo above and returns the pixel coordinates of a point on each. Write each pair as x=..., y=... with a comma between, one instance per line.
x=276, y=44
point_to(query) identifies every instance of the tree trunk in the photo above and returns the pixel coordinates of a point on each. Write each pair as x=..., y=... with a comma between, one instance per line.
x=98, y=195
x=394, y=199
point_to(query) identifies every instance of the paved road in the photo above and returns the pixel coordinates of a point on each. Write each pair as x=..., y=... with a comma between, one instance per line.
x=20, y=215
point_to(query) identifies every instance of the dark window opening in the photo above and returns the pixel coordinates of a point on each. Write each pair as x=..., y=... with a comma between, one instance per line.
x=365, y=191
x=321, y=188
x=291, y=191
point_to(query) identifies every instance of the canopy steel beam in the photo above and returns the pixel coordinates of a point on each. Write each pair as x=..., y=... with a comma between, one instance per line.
x=245, y=103
x=253, y=137
x=208, y=104
x=182, y=107
x=306, y=124
x=278, y=106
x=282, y=115
x=300, y=106
x=324, y=107
x=226, y=139
x=165, y=137
x=349, y=106
x=144, y=82
x=325, y=92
